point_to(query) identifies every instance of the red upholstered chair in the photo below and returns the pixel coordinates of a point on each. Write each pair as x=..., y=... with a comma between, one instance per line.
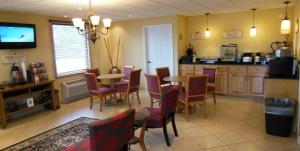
x=131, y=87
x=97, y=73
x=126, y=70
x=111, y=134
x=96, y=90
x=211, y=87
x=196, y=93
x=162, y=73
x=160, y=117
x=154, y=88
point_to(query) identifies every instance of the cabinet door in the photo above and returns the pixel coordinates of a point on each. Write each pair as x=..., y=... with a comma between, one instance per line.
x=237, y=83
x=255, y=85
x=221, y=83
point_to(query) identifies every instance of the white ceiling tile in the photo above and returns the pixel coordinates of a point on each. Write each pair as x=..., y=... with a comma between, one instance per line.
x=120, y=9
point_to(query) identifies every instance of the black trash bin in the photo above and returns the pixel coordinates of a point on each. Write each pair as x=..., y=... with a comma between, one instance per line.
x=279, y=115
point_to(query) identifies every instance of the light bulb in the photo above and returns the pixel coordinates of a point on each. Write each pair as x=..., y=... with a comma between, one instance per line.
x=207, y=33
x=253, y=31
x=106, y=22
x=95, y=20
x=76, y=22
x=285, y=26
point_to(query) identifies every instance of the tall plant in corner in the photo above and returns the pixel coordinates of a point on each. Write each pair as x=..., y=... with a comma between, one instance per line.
x=109, y=48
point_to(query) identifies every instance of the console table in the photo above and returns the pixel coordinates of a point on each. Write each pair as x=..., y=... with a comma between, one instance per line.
x=20, y=93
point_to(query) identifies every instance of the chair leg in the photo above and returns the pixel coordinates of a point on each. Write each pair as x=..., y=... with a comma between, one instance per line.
x=127, y=99
x=91, y=101
x=186, y=106
x=166, y=133
x=205, y=109
x=151, y=101
x=214, y=95
x=174, y=125
x=101, y=102
x=138, y=96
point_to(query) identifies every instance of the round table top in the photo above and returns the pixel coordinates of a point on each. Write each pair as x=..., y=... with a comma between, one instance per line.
x=110, y=76
x=176, y=79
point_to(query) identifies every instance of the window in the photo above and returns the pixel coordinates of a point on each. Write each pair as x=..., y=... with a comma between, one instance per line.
x=71, y=50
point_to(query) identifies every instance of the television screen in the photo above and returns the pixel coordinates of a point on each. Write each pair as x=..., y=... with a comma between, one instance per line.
x=17, y=36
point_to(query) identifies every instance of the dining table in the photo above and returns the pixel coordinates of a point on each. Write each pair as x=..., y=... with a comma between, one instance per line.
x=176, y=79
x=110, y=79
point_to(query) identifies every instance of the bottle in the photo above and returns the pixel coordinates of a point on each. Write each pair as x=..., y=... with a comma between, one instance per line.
x=36, y=79
x=194, y=58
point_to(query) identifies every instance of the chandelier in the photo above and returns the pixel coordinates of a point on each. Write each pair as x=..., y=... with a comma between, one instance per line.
x=92, y=32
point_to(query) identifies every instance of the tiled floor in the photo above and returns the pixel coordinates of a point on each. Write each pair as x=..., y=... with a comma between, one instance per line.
x=235, y=124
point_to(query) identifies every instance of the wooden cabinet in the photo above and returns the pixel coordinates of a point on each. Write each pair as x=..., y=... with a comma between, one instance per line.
x=221, y=82
x=256, y=80
x=255, y=85
x=243, y=80
x=186, y=70
x=237, y=80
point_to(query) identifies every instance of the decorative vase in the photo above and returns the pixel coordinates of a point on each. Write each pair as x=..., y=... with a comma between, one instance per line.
x=114, y=70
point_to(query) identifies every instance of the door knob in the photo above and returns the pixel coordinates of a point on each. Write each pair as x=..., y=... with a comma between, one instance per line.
x=149, y=62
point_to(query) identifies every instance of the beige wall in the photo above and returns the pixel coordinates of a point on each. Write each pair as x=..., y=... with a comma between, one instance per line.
x=132, y=49
x=267, y=23
x=297, y=35
x=43, y=52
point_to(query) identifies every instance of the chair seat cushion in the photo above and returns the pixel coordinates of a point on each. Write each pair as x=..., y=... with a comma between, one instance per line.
x=106, y=90
x=121, y=87
x=83, y=145
x=210, y=88
x=182, y=96
x=155, y=118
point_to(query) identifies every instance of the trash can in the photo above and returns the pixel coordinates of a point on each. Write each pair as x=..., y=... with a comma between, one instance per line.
x=279, y=116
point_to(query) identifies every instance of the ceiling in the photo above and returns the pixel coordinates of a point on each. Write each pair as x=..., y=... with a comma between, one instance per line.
x=132, y=9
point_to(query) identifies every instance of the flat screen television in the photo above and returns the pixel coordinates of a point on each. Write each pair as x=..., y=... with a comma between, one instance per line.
x=17, y=36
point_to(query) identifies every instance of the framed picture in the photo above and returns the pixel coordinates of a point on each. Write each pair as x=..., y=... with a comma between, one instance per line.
x=30, y=102
x=198, y=36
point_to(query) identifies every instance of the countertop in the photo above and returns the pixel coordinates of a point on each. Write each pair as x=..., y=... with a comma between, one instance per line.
x=225, y=63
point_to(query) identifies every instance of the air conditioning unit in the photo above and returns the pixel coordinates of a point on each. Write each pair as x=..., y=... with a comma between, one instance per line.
x=74, y=90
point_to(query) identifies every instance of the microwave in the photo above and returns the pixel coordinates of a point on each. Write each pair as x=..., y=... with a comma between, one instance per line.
x=283, y=67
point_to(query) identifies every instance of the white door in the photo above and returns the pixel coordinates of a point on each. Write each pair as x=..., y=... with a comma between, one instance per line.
x=159, y=47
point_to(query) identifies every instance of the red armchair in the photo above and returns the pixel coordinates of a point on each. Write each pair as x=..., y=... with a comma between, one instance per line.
x=195, y=94
x=96, y=90
x=211, y=87
x=126, y=70
x=162, y=73
x=111, y=134
x=160, y=117
x=131, y=87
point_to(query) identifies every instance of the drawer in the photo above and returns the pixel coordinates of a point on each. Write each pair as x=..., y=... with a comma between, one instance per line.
x=237, y=69
x=187, y=67
x=222, y=69
x=199, y=67
x=187, y=73
x=257, y=69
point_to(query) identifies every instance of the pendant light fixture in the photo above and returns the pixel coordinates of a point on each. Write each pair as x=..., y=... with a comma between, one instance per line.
x=253, y=28
x=207, y=31
x=285, y=23
x=92, y=33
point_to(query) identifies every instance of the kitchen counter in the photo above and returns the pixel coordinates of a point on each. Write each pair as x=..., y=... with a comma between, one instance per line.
x=224, y=63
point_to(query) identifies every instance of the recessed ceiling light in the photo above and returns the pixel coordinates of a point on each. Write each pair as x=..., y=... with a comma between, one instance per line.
x=66, y=16
x=79, y=8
